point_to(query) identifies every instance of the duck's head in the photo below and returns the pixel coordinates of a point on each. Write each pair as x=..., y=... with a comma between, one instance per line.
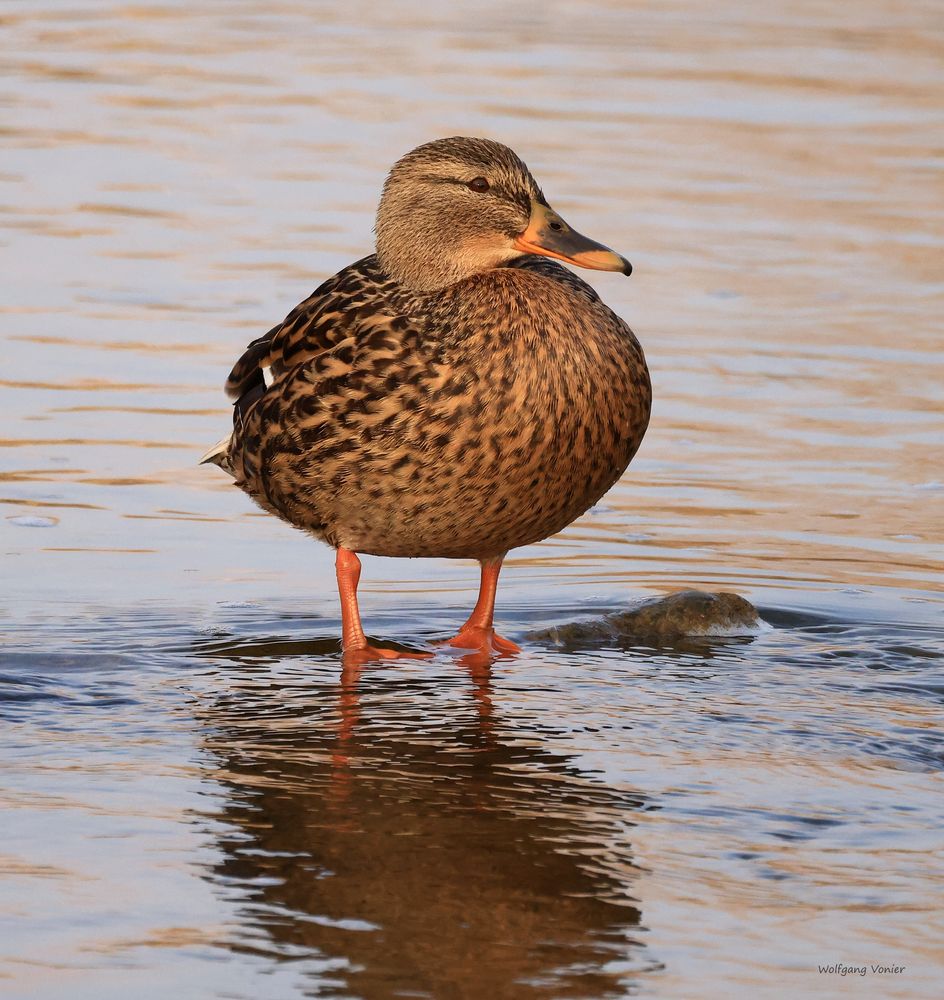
x=455, y=207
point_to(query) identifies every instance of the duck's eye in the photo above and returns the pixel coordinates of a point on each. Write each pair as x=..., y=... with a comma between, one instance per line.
x=479, y=185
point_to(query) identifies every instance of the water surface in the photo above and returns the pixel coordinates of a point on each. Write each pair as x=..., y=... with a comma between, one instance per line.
x=197, y=800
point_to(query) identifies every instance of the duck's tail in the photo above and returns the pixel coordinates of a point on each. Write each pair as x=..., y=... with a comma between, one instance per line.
x=219, y=455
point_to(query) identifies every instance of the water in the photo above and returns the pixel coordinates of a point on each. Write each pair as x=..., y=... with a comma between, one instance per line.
x=197, y=800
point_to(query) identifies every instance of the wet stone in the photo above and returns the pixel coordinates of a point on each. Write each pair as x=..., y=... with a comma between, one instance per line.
x=666, y=619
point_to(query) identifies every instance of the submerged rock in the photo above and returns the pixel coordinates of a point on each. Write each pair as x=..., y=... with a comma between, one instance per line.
x=665, y=619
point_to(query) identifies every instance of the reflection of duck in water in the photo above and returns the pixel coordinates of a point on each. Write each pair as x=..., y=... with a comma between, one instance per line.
x=417, y=853
x=456, y=394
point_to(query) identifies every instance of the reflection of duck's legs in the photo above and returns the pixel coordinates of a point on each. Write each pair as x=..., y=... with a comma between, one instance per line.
x=348, y=705
x=354, y=642
x=339, y=790
x=477, y=633
x=479, y=666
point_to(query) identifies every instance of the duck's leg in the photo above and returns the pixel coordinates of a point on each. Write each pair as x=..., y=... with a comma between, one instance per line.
x=353, y=641
x=477, y=633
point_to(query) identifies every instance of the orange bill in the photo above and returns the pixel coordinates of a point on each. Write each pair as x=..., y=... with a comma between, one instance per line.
x=548, y=235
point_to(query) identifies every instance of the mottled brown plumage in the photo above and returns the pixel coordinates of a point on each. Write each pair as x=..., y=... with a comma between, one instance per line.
x=447, y=396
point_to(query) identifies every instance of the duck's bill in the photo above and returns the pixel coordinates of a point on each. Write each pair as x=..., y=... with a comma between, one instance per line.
x=548, y=235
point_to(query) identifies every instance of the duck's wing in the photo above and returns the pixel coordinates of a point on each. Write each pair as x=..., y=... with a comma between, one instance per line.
x=288, y=437
x=337, y=311
x=354, y=337
x=330, y=315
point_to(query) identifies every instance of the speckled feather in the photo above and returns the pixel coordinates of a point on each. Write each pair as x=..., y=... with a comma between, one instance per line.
x=460, y=422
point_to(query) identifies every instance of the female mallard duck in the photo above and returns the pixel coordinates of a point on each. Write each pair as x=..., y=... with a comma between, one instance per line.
x=456, y=394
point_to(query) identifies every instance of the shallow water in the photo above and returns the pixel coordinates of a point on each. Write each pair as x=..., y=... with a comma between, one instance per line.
x=197, y=800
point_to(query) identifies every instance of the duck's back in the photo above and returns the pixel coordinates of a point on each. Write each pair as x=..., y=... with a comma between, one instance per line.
x=459, y=423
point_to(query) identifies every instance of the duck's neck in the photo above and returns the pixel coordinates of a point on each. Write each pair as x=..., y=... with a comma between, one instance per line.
x=420, y=269
x=413, y=249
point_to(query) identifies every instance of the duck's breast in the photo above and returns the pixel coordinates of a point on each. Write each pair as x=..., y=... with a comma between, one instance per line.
x=522, y=414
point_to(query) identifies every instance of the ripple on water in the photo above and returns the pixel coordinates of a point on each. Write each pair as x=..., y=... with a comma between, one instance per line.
x=536, y=793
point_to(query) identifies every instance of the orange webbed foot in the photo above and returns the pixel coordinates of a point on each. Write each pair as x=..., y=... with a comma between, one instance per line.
x=485, y=640
x=355, y=655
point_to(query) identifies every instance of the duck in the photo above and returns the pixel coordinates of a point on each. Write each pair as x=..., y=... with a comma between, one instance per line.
x=456, y=394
